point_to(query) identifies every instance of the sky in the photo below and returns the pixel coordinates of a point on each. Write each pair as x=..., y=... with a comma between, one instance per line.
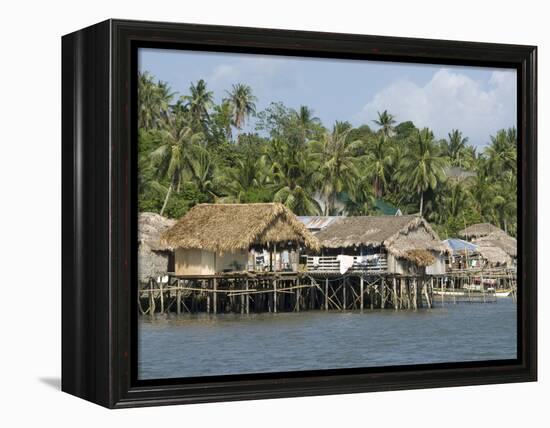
x=478, y=101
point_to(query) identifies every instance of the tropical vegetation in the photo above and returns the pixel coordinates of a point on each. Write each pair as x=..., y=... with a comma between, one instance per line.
x=193, y=150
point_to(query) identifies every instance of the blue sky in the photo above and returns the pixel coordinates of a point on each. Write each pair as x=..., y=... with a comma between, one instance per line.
x=478, y=101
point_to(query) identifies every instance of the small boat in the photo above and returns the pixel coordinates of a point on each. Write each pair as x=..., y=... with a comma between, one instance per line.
x=449, y=293
x=503, y=293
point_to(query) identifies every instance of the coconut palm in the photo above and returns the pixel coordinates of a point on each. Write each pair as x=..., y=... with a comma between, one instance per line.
x=360, y=198
x=306, y=121
x=423, y=167
x=292, y=173
x=177, y=145
x=502, y=152
x=242, y=102
x=377, y=163
x=247, y=174
x=385, y=121
x=337, y=163
x=203, y=172
x=199, y=101
x=455, y=147
x=153, y=101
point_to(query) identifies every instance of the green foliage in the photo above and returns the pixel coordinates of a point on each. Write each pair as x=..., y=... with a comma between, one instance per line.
x=195, y=151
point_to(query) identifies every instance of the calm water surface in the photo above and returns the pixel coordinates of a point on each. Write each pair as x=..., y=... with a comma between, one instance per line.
x=201, y=345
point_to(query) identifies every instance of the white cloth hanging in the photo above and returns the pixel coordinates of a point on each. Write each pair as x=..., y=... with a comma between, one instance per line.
x=345, y=262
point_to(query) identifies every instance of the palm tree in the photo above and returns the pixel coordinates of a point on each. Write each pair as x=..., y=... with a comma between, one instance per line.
x=423, y=167
x=178, y=143
x=292, y=173
x=199, y=101
x=243, y=103
x=502, y=152
x=455, y=147
x=338, y=163
x=203, y=172
x=360, y=199
x=307, y=122
x=153, y=101
x=385, y=121
x=248, y=173
x=377, y=163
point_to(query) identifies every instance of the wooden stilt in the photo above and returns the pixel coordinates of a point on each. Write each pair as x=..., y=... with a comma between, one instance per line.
x=395, y=301
x=161, y=298
x=383, y=293
x=151, y=298
x=178, y=297
x=344, y=294
x=415, y=294
x=326, y=294
x=247, y=297
x=362, y=292
x=275, y=296
x=215, y=296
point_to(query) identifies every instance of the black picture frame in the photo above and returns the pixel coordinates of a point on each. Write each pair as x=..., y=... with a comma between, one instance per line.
x=99, y=215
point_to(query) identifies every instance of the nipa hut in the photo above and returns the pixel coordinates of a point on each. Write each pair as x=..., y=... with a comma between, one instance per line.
x=478, y=230
x=464, y=255
x=496, y=246
x=396, y=244
x=153, y=259
x=214, y=238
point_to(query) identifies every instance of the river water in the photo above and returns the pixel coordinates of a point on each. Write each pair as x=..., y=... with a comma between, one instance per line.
x=206, y=345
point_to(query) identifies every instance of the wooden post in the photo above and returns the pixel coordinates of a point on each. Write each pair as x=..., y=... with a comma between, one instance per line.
x=242, y=298
x=214, y=296
x=383, y=293
x=298, y=295
x=395, y=302
x=208, y=306
x=151, y=299
x=161, y=298
x=275, y=296
x=326, y=294
x=178, y=298
x=371, y=294
x=415, y=294
x=362, y=291
x=247, y=298
x=344, y=294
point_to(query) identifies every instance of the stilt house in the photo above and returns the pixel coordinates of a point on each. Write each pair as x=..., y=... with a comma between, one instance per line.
x=216, y=238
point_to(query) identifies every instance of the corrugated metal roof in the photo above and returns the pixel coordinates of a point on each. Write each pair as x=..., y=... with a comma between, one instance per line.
x=317, y=222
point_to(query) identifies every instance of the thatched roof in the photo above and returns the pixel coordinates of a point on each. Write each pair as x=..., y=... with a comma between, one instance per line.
x=500, y=240
x=402, y=236
x=224, y=228
x=478, y=230
x=150, y=227
x=493, y=254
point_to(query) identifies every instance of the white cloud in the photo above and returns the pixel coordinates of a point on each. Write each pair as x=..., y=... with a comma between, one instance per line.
x=450, y=100
x=266, y=75
x=224, y=73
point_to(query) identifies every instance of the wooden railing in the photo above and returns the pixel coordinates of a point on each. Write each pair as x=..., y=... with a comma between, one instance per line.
x=378, y=263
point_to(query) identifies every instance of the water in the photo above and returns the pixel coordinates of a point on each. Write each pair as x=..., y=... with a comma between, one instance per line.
x=206, y=345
